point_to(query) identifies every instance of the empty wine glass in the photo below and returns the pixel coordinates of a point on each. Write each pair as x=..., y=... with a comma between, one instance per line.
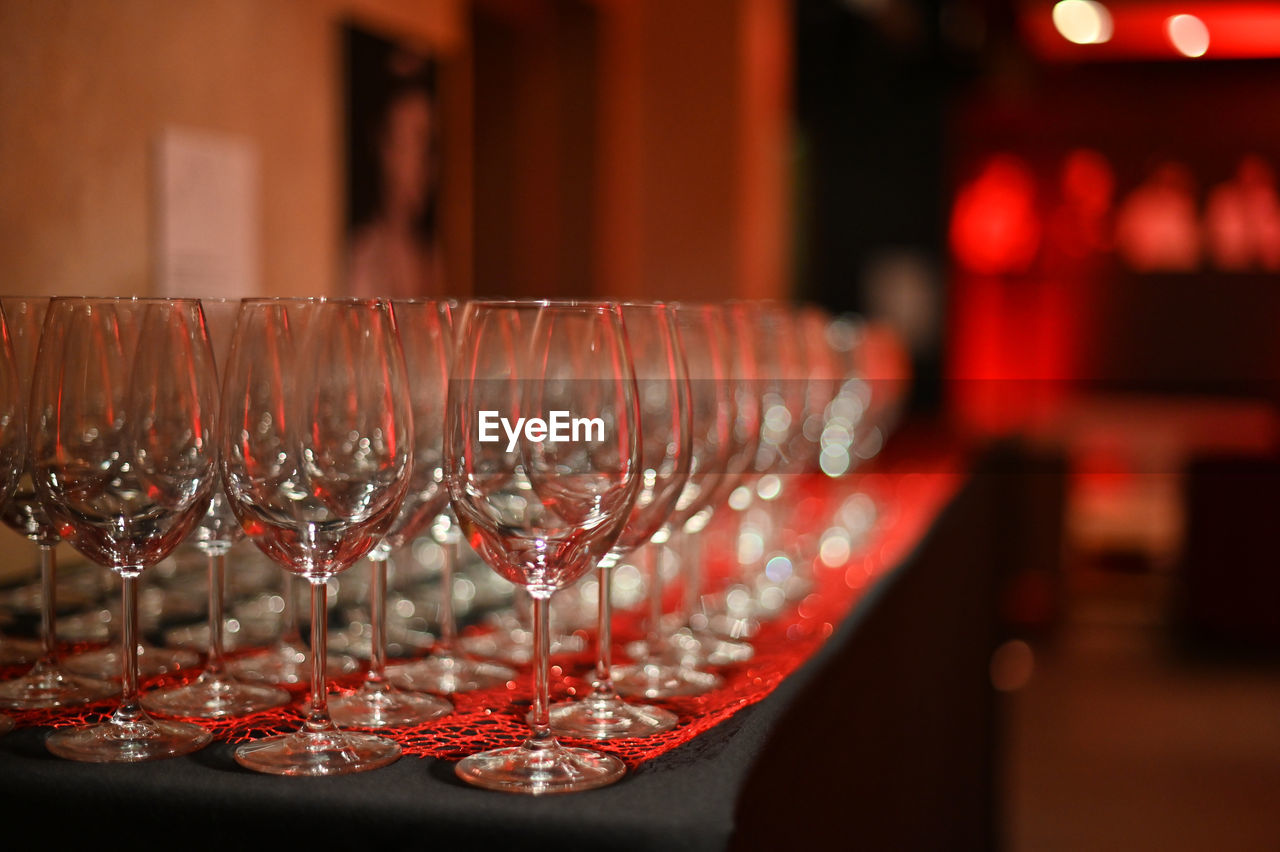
x=817, y=383
x=316, y=436
x=215, y=694
x=13, y=434
x=509, y=634
x=783, y=389
x=153, y=660
x=661, y=668
x=665, y=424
x=426, y=334
x=543, y=466
x=424, y=339
x=696, y=641
x=286, y=661
x=48, y=684
x=123, y=402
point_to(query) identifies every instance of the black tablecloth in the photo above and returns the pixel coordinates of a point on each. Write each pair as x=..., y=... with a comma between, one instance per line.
x=885, y=739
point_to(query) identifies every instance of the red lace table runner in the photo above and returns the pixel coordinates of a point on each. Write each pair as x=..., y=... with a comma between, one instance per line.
x=908, y=504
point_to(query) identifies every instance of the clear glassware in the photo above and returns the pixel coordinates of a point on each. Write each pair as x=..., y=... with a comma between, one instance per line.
x=663, y=667
x=788, y=387
x=215, y=694
x=426, y=332
x=123, y=402
x=819, y=382
x=454, y=664
x=316, y=447
x=510, y=637
x=694, y=638
x=425, y=341
x=287, y=661
x=153, y=660
x=13, y=434
x=540, y=504
x=662, y=379
x=48, y=683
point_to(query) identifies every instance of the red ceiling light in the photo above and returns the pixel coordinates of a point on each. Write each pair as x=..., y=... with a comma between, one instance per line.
x=1083, y=21
x=1152, y=29
x=1188, y=35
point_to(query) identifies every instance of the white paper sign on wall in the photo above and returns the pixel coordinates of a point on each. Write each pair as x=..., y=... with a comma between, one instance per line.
x=208, y=220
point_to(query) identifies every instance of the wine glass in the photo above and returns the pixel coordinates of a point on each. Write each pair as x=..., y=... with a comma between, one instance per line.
x=215, y=694
x=153, y=660
x=13, y=434
x=543, y=466
x=662, y=379
x=286, y=661
x=123, y=402
x=47, y=684
x=661, y=668
x=315, y=450
x=425, y=343
x=509, y=633
x=818, y=382
x=454, y=664
x=695, y=639
x=426, y=333
x=783, y=387
x=14, y=652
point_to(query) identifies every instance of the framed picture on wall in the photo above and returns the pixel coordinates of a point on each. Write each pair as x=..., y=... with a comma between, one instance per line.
x=393, y=234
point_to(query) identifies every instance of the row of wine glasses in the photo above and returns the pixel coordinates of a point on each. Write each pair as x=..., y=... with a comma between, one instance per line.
x=557, y=437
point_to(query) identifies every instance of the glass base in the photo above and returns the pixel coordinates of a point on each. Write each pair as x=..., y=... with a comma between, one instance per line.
x=658, y=680
x=733, y=627
x=355, y=640
x=449, y=674
x=516, y=647
x=104, y=663
x=736, y=612
x=373, y=706
x=540, y=770
x=699, y=647
x=215, y=698
x=48, y=686
x=317, y=753
x=112, y=742
x=288, y=664
x=608, y=717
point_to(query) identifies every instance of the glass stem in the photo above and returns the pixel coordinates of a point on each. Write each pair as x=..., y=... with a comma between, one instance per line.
x=448, y=623
x=377, y=674
x=540, y=719
x=653, y=566
x=129, y=711
x=691, y=552
x=48, y=605
x=215, y=664
x=318, y=713
x=603, y=685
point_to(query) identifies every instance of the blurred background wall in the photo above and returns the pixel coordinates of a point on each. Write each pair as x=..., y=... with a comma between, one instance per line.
x=590, y=146
x=87, y=89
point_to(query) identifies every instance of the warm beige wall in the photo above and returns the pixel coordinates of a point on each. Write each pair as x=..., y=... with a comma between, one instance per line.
x=86, y=86
x=694, y=123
